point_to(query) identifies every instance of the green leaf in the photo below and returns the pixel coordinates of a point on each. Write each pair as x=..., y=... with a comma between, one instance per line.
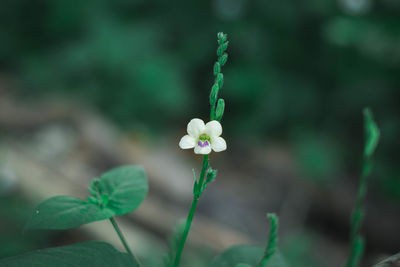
x=120, y=190
x=389, y=262
x=87, y=254
x=245, y=254
x=372, y=133
x=124, y=187
x=64, y=212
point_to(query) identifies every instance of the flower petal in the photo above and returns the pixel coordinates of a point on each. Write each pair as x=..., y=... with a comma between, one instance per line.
x=195, y=127
x=214, y=128
x=202, y=150
x=218, y=144
x=187, y=142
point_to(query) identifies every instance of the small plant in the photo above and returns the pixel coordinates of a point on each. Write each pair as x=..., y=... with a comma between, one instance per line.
x=116, y=192
x=122, y=189
x=371, y=141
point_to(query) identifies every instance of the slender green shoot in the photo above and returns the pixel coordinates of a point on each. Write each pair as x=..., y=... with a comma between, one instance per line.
x=357, y=250
x=272, y=240
x=192, y=210
x=357, y=243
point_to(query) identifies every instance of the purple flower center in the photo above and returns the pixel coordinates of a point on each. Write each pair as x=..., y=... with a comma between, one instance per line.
x=203, y=144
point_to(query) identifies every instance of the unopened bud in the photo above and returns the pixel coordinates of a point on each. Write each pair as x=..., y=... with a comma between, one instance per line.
x=217, y=68
x=220, y=109
x=221, y=49
x=222, y=60
x=211, y=174
x=221, y=37
x=220, y=80
x=214, y=94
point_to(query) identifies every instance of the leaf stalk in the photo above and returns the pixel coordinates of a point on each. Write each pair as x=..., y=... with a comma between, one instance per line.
x=123, y=240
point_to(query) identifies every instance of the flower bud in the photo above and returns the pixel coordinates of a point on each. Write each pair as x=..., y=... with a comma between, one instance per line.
x=214, y=94
x=221, y=37
x=211, y=174
x=221, y=49
x=220, y=109
x=222, y=59
x=220, y=80
x=217, y=68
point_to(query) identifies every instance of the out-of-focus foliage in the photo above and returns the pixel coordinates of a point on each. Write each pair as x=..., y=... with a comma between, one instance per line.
x=13, y=210
x=296, y=69
x=245, y=254
x=298, y=250
x=90, y=254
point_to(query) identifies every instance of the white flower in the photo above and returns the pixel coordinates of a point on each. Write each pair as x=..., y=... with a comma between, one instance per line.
x=203, y=137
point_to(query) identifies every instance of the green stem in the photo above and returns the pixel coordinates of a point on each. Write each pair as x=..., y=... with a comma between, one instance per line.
x=123, y=240
x=357, y=250
x=357, y=216
x=212, y=112
x=357, y=242
x=272, y=240
x=192, y=210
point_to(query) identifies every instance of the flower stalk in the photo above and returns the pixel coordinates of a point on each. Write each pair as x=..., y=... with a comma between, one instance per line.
x=204, y=138
x=192, y=210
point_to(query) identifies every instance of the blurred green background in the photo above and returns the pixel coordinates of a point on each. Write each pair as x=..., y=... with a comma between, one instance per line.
x=299, y=74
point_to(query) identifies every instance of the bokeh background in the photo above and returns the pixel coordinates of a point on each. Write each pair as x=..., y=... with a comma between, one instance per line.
x=89, y=85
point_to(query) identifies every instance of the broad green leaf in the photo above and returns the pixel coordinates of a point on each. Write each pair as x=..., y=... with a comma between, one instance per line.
x=243, y=254
x=64, y=212
x=87, y=254
x=121, y=190
x=389, y=262
x=372, y=133
x=242, y=265
x=124, y=187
